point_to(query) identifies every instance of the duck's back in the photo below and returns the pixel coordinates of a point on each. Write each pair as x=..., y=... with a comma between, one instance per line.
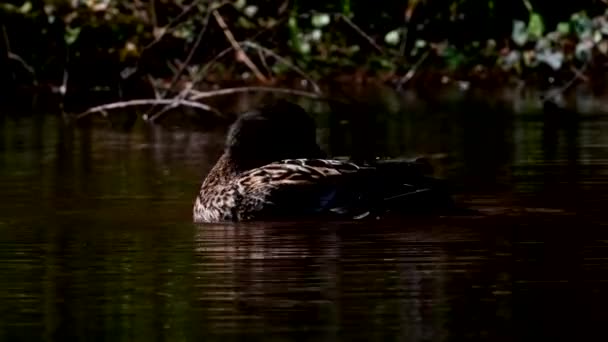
x=305, y=188
x=286, y=189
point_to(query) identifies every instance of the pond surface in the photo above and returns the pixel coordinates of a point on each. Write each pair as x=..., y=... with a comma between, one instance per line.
x=96, y=239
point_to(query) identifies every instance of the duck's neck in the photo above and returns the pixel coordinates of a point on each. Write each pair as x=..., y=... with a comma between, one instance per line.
x=222, y=172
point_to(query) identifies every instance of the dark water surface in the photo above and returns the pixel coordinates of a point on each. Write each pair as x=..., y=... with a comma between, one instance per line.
x=96, y=239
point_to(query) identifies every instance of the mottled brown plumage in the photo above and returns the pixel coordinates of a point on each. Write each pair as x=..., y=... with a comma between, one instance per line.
x=272, y=168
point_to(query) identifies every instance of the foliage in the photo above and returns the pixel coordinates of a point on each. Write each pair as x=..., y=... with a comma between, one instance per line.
x=101, y=42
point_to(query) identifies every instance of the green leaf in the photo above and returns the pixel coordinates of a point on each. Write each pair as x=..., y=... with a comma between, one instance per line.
x=71, y=35
x=392, y=37
x=563, y=28
x=320, y=19
x=583, y=51
x=240, y=4
x=597, y=36
x=554, y=59
x=251, y=10
x=316, y=35
x=25, y=8
x=519, y=35
x=536, y=27
x=582, y=25
x=304, y=48
x=418, y=45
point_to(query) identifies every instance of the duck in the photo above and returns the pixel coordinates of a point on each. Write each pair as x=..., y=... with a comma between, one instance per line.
x=272, y=168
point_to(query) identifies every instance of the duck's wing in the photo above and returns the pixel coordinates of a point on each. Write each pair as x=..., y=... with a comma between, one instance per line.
x=294, y=187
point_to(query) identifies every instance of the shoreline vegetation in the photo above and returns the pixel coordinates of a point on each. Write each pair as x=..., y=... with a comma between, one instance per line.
x=162, y=55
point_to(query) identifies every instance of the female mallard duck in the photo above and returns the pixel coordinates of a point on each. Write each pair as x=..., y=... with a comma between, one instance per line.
x=272, y=168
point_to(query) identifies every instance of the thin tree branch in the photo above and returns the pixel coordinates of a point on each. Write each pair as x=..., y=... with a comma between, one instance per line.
x=197, y=95
x=283, y=60
x=203, y=72
x=578, y=75
x=185, y=64
x=146, y=102
x=167, y=28
x=13, y=56
x=180, y=97
x=241, y=54
x=23, y=64
x=357, y=29
x=410, y=73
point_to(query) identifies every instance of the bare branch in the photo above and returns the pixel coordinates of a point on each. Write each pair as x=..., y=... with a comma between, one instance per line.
x=203, y=72
x=283, y=60
x=241, y=54
x=180, y=97
x=22, y=62
x=167, y=28
x=361, y=33
x=408, y=76
x=578, y=75
x=17, y=58
x=185, y=64
x=146, y=102
x=197, y=95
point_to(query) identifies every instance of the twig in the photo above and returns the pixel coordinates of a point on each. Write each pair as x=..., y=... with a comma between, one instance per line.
x=410, y=73
x=184, y=65
x=361, y=33
x=153, y=82
x=241, y=54
x=166, y=28
x=203, y=73
x=180, y=97
x=528, y=5
x=23, y=64
x=197, y=95
x=283, y=60
x=63, y=89
x=17, y=58
x=145, y=102
x=263, y=60
x=578, y=74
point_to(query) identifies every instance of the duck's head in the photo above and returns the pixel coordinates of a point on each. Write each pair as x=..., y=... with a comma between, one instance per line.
x=281, y=130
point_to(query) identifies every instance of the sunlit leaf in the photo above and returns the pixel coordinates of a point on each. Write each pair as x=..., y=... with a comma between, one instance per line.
x=320, y=19
x=25, y=8
x=582, y=25
x=71, y=35
x=554, y=59
x=392, y=37
x=563, y=28
x=583, y=50
x=536, y=27
x=420, y=43
x=316, y=35
x=603, y=47
x=519, y=35
x=304, y=48
x=251, y=11
x=240, y=4
x=597, y=36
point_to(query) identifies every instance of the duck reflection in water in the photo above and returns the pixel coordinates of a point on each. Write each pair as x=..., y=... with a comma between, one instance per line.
x=273, y=169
